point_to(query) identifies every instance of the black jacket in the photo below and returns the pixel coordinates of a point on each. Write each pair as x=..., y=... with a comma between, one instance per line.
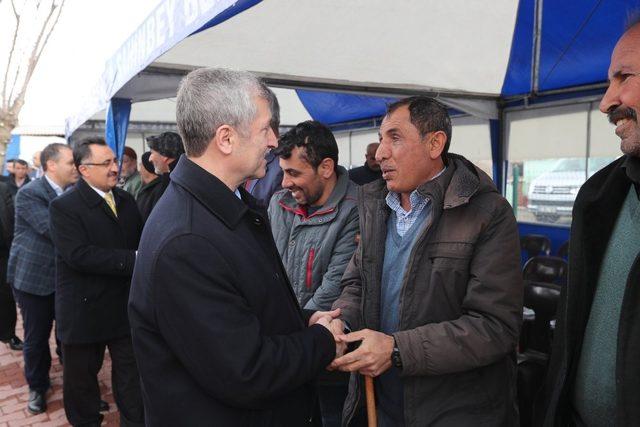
x=364, y=174
x=594, y=216
x=6, y=219
x=149, y=195
x=154, y=190
x=13, y=187
x=95, y=254
x=218, y=334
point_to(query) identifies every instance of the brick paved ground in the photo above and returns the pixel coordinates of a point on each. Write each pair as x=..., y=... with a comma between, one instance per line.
x=14, y=391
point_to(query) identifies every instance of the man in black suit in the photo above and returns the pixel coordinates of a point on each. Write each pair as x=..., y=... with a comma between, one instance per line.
x=218, y=333
x=32, y=267
x=95, y=228
x=7, y=303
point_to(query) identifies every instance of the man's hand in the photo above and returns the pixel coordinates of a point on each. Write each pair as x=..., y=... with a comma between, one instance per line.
x=318, y=314
x=336, y=327
x=372, y=358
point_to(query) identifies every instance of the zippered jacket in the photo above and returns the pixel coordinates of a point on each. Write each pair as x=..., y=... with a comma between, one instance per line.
x=316, y=249
x=460, y=303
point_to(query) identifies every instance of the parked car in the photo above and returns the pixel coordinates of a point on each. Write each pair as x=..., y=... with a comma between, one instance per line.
x=551, y=195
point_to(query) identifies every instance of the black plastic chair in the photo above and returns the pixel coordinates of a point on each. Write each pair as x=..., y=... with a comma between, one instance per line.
x=535, y=344
x=548, y=269
x=543, y=299
x=563, y=250
x=535, y=245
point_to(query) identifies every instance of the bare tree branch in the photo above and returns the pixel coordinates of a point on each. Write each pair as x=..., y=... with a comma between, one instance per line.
x=5, y=100
x=37, y=51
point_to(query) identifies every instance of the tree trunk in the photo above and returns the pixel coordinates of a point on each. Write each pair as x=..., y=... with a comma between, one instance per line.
x=6, y=126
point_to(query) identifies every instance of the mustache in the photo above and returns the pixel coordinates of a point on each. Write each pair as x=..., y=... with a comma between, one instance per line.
x=621, y=112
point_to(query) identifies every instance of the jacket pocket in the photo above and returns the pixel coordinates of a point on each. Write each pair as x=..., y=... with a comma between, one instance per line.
x=449, y=277
x=309, y=275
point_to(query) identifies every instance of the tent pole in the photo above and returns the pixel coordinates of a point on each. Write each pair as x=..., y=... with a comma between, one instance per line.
x=496, y=132
x=116, y=126
x=537, y=36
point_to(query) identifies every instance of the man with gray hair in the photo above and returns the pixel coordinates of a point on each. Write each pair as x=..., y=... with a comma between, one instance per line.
x=217, y=330
x=263, y=188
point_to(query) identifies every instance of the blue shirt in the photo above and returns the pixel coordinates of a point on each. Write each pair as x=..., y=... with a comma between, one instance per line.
x=404, y=219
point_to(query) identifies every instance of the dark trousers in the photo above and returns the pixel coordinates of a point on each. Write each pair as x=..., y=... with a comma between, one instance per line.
x=38, y=313
x=81, y=391
x=7, y=304
x=331, y=400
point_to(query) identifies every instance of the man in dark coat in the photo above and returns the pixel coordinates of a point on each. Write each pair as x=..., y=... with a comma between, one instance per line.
x=370, y=171
x=146, y=195
x=166, y=149
x=19, y=176
x=32, y=267
x=218, y=334
x=595, y=365
x=95, y=229
x=7, y=304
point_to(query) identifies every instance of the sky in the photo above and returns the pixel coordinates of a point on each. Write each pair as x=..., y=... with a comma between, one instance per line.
x=88, y=33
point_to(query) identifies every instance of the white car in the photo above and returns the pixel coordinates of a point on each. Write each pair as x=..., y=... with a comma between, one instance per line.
x=551, y=195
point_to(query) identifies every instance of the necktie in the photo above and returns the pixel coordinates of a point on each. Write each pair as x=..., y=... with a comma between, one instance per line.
x=108, y=197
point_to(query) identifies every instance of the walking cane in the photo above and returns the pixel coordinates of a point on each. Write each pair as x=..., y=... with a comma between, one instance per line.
x=372, y=418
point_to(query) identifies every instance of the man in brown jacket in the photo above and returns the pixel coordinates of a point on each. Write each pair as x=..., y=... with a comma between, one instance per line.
x=434, y=291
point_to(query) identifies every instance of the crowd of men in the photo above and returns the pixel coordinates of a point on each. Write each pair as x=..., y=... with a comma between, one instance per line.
x=241, y=278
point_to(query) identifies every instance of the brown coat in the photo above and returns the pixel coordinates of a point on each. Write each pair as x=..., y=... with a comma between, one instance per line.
x=460, y=304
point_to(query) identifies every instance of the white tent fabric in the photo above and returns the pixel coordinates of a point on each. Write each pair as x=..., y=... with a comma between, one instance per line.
x=377, y=43
x=170, y=22
x=372, y=47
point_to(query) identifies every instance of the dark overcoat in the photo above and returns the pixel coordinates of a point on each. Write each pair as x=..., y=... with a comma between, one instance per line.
x=95, y=255
x=594, y=216
x=219, y=337
x=6, y=219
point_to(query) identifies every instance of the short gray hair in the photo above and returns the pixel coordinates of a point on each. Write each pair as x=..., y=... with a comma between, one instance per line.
x=211, y=97
x=274, y=106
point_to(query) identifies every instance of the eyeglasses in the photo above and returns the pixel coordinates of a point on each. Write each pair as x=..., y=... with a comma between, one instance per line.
x=105, y=164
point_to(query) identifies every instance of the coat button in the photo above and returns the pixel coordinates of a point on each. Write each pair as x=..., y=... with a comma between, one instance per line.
x=257, y=221
x=84, y=299
x=277, y=276
x=291, y=243
x=121, y=265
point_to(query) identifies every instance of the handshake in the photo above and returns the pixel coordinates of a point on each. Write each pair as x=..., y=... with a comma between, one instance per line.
x=372, y=357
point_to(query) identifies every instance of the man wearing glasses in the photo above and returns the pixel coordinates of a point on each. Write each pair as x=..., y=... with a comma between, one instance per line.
x=95, y=228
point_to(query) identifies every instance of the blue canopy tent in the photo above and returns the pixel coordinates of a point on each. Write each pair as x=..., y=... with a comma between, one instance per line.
x=536, y=52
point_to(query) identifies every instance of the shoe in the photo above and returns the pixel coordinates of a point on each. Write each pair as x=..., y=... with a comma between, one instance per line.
x=104, y=406
x=37, y=402
x=14, y=343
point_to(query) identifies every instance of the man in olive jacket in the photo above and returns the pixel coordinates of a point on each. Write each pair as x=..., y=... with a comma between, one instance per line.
x=434, y=291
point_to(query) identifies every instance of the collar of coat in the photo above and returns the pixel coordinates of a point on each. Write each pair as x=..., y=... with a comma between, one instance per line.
x=51, y=193
x=212, y=193
x=339, y=192
x=92, y=198
x=454, y=187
